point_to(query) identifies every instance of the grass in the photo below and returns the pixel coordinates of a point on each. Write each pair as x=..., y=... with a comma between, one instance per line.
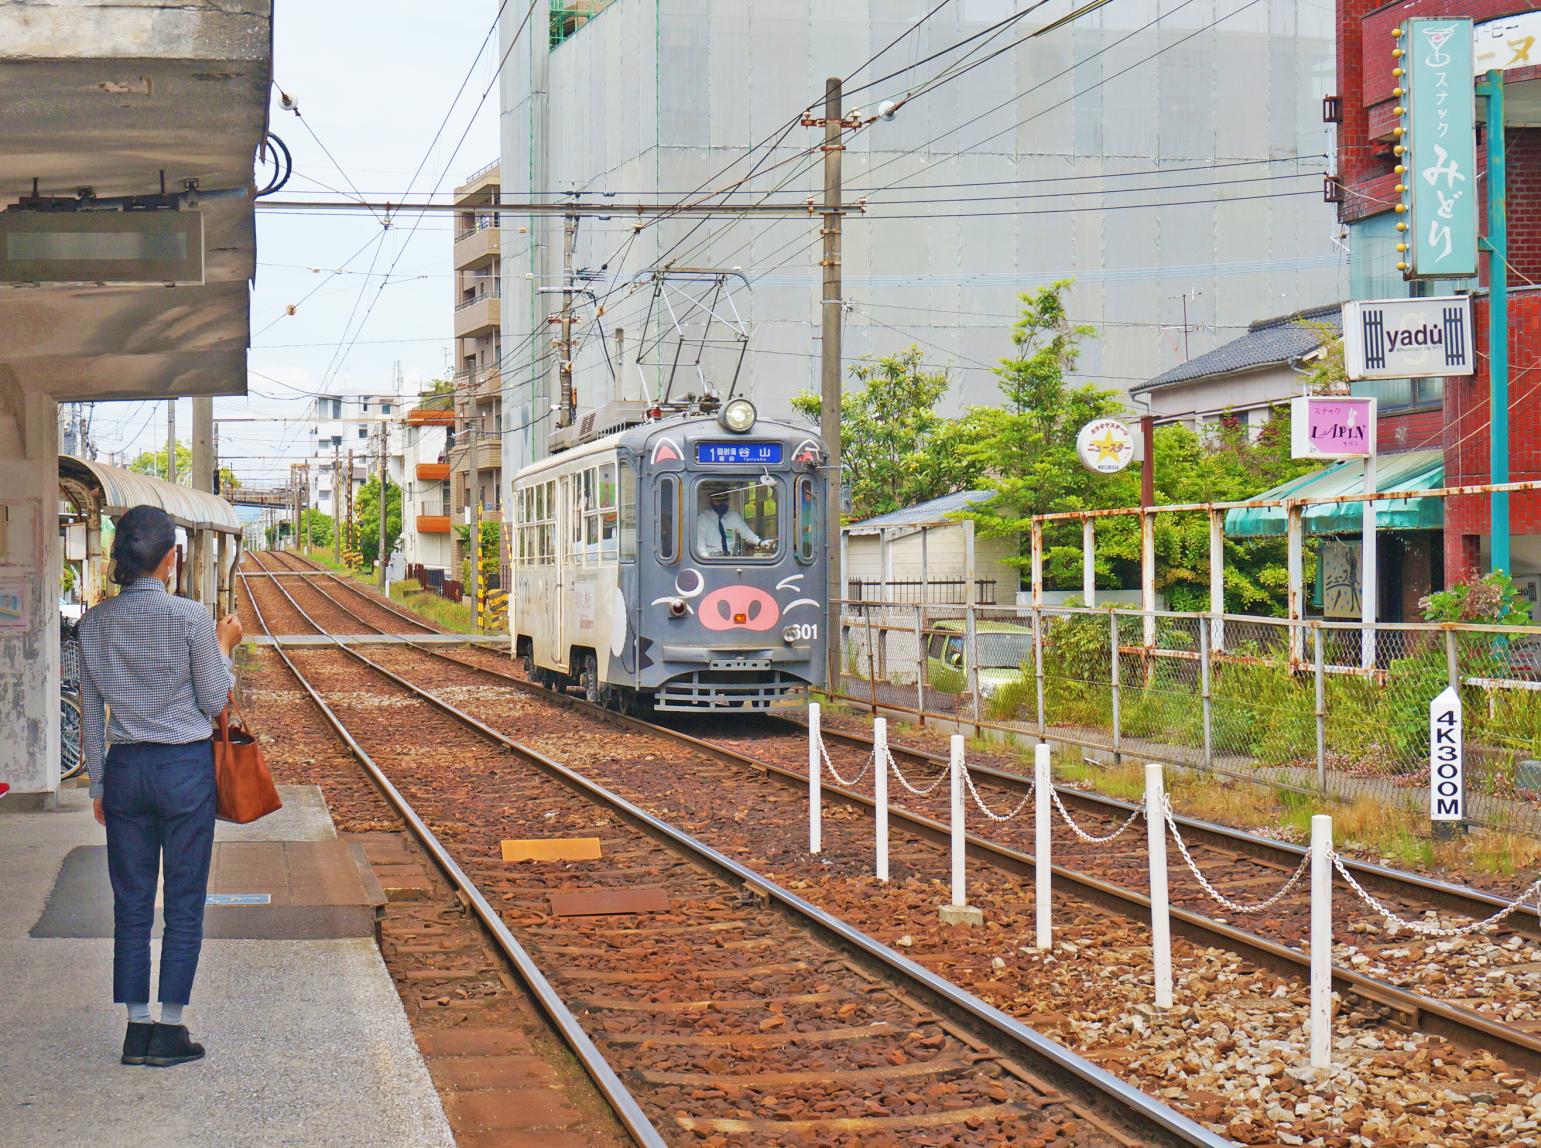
x=455, y=616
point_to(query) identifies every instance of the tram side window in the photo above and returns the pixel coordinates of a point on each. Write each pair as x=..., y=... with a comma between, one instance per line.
x=626, y=511
x=605, y=511
x=668, y=527
x=806, y=528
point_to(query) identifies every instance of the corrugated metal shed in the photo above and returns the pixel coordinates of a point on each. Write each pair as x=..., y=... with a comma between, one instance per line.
x=123, y=489
x=930, y=513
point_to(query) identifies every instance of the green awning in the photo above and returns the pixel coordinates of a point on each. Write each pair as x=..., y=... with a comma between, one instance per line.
x=1411, y=471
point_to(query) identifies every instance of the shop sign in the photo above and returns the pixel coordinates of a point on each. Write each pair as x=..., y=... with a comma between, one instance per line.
x=1408, y=338
x=1438, y=150
x=1332, y=426
x=1508, y=42
x=1105, y=446
x=1447, y=783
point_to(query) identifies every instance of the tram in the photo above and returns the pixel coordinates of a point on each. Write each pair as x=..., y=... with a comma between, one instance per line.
x=673, y=562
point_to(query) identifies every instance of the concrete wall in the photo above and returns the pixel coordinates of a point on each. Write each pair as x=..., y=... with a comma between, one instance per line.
x=657, y=96
x=29, y=558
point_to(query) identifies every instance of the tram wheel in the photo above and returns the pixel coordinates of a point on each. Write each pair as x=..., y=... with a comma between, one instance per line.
x=593, y=692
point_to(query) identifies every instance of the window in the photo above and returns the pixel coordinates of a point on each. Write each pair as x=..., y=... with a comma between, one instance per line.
x=363, y=432
x=668, y=525
x=737, y=518
x=535, y=533
x=627, y=499
x=805, y=530
x=385, y=408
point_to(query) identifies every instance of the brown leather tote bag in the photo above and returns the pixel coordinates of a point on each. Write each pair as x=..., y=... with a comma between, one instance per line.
x=243, y=784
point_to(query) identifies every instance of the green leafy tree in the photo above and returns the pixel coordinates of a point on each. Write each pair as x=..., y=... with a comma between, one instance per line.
x=366, y=505
x=492, y=535
x=317, y=528
x=886, y=428
x=153, y=463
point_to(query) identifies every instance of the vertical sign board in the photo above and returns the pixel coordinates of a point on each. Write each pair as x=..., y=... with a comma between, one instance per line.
x=1441, y=149
x=1447, y=783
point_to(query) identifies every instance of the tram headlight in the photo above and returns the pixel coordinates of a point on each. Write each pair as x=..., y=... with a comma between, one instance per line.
x=676, y=607
x=790, y=634
x=738, y=416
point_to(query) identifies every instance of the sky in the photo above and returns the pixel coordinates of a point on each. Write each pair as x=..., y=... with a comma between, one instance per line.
x=374, y=81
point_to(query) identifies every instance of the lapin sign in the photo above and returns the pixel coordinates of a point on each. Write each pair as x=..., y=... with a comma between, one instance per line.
x=1447, y=783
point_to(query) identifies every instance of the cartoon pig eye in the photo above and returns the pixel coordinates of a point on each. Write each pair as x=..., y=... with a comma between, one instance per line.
x=689, y=584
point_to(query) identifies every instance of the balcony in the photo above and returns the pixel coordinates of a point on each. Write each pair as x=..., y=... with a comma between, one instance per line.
x=478, y=247
x=489, y=455
x=433, y=524
x=432, y=471
x=431, y=417
x=479, y=316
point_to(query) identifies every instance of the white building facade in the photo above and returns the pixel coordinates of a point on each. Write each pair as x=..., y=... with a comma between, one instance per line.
x=340, y=424
x=1096, y=152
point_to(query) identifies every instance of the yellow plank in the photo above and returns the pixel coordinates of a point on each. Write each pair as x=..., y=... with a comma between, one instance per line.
x=552, y=849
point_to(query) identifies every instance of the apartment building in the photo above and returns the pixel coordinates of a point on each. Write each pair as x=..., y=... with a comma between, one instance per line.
x=340, y=424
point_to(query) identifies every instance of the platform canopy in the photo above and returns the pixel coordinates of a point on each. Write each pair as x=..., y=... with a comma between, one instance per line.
x=120, y=490
x=1411, y=471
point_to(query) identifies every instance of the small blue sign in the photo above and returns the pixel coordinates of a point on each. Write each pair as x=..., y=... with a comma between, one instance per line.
x=739, y=453
x=239, y=899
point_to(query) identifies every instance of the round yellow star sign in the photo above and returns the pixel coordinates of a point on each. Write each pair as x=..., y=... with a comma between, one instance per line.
x=1105, y=446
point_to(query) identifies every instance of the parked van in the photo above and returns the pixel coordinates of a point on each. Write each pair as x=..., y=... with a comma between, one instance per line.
x=1005, y=656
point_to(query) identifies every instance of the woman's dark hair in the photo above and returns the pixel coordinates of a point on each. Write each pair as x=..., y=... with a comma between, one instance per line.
x=144, y=536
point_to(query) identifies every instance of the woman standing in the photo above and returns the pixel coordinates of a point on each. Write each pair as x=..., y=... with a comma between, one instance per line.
x=163, y=668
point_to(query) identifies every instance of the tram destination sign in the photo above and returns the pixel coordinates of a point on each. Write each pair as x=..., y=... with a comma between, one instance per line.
x=1447, y=782
x=1408, y=338
x=739, y=453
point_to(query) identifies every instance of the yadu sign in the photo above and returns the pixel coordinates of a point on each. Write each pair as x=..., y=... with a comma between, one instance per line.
x=1408, y=338
x=1447, y=785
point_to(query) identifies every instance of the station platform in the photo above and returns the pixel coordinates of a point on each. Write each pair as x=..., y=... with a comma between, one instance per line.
x=308, y=1042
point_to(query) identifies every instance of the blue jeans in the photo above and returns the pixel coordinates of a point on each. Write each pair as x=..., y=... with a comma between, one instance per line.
x=158, y=799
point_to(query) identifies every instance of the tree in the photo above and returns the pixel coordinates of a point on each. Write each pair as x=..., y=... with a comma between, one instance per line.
x=153, y=463
x=317, y=527
x=491, y=536
x=367, y=514
x=885, y=429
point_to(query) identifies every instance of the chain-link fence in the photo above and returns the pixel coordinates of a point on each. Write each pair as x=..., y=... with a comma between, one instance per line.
x=1289, y=704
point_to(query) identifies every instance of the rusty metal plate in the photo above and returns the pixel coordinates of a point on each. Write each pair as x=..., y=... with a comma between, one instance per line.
x=552, y=849
x=601, y=902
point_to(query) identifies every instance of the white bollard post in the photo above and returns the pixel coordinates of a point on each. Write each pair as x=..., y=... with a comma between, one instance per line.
x=959, y=912
x=1321, y=941
x=1042, y=873
x=815, y=768
x=1160, y=918
x=880, y=792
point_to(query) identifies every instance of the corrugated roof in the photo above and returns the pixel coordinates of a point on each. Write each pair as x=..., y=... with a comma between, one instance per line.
x=925, y=513
x=1267, y=342
x=1412, y=471
x=124, y=489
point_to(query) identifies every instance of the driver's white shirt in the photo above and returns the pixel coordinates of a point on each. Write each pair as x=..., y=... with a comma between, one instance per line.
x=709, y=537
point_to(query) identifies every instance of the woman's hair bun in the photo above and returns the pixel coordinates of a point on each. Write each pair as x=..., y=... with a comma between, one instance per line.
x=145, y=535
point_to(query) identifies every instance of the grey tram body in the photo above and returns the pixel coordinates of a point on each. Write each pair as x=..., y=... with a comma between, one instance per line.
x=612, y=591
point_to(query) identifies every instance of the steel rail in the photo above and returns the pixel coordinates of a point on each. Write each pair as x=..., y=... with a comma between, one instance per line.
x=1462, y=1027
x=1474, y=903
x=1061, y=1064
x=625, y=1106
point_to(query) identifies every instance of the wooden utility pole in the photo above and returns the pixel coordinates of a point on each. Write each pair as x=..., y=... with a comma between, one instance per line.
x=474, y=499
x=171, y=440
x=567, y=400
x=385, y=502
x=830, y=368
x=352, y=530
x=336, y=495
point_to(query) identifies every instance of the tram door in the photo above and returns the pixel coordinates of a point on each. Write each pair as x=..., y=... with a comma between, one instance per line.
x=563, y=588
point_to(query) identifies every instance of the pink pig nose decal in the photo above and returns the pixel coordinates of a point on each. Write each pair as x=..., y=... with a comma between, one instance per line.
x=738, y=608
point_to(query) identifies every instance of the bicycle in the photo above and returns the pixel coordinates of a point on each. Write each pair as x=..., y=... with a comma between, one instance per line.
x=72, y=754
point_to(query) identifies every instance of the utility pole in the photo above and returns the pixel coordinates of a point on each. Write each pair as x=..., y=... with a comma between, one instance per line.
x=352, y=535
x=171, y=440
x=474, y=497
x=567, y=400
x=385, y=438
x=830, y=368
x=203, y=445
x=336, y=495
x=294, y=499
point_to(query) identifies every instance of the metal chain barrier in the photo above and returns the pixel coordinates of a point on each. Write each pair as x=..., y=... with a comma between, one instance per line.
x=1428, y=930
x=1233, y=906
x=829, y=765
x=968, y=779
x=1089, y=838
x=925, y=791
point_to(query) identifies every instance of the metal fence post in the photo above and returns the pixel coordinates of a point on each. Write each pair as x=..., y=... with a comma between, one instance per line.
x=921, y=665
x=1113, y=679
x=872, y=678
x=1043, y=724
x=1320, y=675
x=1205, y=696
x=971, y=626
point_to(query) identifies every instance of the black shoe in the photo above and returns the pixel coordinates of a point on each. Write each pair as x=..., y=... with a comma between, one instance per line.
x=169, y=1045
x=136, y=1042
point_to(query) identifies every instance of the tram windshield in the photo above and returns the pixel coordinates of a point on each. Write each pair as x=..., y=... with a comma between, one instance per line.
x=737, y=517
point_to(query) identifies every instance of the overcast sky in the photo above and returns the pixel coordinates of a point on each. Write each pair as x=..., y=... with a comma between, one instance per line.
x=374, y=80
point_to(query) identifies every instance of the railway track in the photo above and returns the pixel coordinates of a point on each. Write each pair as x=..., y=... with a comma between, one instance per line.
x=1414, y=979
x=735, y=1009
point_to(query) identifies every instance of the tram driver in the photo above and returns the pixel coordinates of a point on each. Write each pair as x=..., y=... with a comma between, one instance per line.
x=721, y=531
